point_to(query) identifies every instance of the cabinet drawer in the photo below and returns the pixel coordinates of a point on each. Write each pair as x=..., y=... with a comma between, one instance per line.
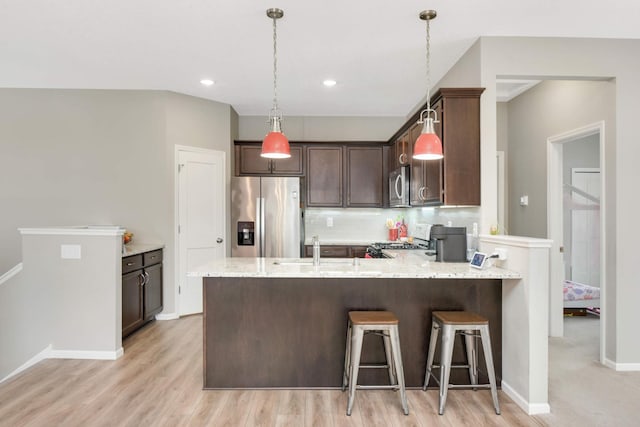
x=153, y=257
x=131, y=263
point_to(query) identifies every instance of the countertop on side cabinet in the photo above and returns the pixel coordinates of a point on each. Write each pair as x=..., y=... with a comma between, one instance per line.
x=138, y=248
x=405, y=266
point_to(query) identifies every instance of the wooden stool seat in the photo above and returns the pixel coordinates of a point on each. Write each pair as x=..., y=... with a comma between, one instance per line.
x=372, y=318
x=384, y=324
x=459, y=318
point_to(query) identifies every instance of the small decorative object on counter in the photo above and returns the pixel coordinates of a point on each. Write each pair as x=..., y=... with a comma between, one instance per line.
x=393, y=230
x=402, y=231
x=127, y=237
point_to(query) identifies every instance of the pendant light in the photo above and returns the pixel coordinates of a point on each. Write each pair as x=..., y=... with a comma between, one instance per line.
x=275, y=145
x=428, y=146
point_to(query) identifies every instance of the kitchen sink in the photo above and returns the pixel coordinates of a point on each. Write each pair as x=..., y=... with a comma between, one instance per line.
x=325, y=261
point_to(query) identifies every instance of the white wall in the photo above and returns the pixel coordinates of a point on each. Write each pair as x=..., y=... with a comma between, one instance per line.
x=323, y=128
x=550, y=108
x=75, y=157
x=553, y=58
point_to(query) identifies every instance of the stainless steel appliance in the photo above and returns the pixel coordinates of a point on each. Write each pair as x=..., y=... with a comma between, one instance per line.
x=399, y=187
x=450, y=243
x=266, y=214
x=375, y=250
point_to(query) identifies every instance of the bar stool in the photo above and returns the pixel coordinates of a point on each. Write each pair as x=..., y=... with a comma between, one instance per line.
x=385, y=324
x=469, y=325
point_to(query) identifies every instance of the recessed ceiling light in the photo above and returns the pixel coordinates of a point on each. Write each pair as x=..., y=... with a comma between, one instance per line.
x=207, y=82
x=329, y=83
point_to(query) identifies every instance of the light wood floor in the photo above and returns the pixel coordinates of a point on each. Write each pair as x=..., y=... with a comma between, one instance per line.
x=158, y=382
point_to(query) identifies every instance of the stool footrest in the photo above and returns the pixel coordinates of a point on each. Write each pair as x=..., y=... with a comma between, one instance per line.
x=469, y=385
x=377, y=387
x=385, y=366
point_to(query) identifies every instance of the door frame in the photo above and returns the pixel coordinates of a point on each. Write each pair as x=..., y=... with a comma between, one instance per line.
x=555, y=226
x=176, y=211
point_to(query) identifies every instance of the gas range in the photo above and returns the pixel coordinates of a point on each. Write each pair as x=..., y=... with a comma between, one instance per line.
x=375, y=249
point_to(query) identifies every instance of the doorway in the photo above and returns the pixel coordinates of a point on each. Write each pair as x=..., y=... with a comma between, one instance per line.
x=200, y=219
x=558, y=148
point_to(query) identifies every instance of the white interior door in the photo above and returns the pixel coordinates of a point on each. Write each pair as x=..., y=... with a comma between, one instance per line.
x=201, y=219
x=585, y=227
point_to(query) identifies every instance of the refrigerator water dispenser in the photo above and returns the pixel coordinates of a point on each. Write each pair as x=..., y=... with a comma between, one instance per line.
x=246, y=233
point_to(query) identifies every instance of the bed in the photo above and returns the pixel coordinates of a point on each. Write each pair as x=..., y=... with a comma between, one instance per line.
x=581, y=296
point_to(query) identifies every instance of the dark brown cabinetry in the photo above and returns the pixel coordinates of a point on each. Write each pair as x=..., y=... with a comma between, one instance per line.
x=249, y=162
x=454, y=180
x=426, y=183
x=364, y=177
x=334, y=171
x=400, y=152
x=460, y=133
x=141, y=289
x=337, y=251
x=324, y=176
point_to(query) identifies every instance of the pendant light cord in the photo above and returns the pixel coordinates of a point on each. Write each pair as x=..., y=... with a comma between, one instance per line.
x=275, y=68
x=428, y=66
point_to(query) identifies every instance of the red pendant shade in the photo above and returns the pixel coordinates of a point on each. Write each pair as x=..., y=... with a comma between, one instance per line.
x=275, y=146
x=428, y=146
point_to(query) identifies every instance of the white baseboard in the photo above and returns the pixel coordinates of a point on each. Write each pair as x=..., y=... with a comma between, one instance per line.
x=81, y=354
x=167, y=316
x=44, y=354
x=529, y=408
x=622, y=367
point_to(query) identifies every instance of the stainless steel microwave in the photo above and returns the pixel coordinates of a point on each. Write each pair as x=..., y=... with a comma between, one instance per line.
x=399, y=187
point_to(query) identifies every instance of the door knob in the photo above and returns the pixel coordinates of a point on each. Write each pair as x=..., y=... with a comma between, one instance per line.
x=219, y=240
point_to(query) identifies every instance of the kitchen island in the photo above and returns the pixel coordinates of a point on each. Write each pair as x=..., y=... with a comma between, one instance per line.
x=282, y=322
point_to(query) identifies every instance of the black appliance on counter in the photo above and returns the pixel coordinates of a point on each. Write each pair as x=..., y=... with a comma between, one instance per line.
x=450, y=243
x=375, y=249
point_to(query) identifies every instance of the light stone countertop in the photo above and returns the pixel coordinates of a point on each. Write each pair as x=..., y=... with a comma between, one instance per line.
x=138, y=248
x=408, y=264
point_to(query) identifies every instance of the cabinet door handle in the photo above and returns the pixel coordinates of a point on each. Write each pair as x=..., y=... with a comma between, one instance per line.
x=421, y=193
x=141, y=279
x=402, y=158
x=146, y=278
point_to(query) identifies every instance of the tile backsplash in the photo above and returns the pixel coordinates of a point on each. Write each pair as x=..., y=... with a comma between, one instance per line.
x=369, y=224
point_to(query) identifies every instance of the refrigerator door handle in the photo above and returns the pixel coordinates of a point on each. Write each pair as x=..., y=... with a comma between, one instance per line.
x=260, y=218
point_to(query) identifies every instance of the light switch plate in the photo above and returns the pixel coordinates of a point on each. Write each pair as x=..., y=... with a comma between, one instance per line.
x=70, y=251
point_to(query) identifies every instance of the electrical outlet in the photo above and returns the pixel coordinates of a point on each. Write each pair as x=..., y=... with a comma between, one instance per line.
x=502, y=253
x=524, y=201
x=329, y=221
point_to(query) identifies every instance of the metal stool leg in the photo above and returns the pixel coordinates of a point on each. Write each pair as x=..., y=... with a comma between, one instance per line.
x=347, y=358
x=388, y=354
x=486, y=347
x=472, y=356
x=397, y=358
x=433, y=341
x=448, y=335
x=356, y=350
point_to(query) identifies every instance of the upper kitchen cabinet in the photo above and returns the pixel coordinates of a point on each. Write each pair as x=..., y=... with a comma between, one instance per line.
x=364, y=176
x=345, y=175
x=249, y=162
x=400, y=152
x=454, y=180
x=426, y=181
x=324, y=175
x=459, y=114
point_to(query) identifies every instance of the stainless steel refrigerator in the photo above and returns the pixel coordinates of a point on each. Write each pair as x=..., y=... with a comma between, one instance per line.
x=266, y=216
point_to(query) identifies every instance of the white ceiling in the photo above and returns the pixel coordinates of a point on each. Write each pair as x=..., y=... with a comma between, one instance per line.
x=375, y=49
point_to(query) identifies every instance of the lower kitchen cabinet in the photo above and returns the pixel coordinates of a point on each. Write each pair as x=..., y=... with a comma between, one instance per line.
x=141, y=289
x=337, y=251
